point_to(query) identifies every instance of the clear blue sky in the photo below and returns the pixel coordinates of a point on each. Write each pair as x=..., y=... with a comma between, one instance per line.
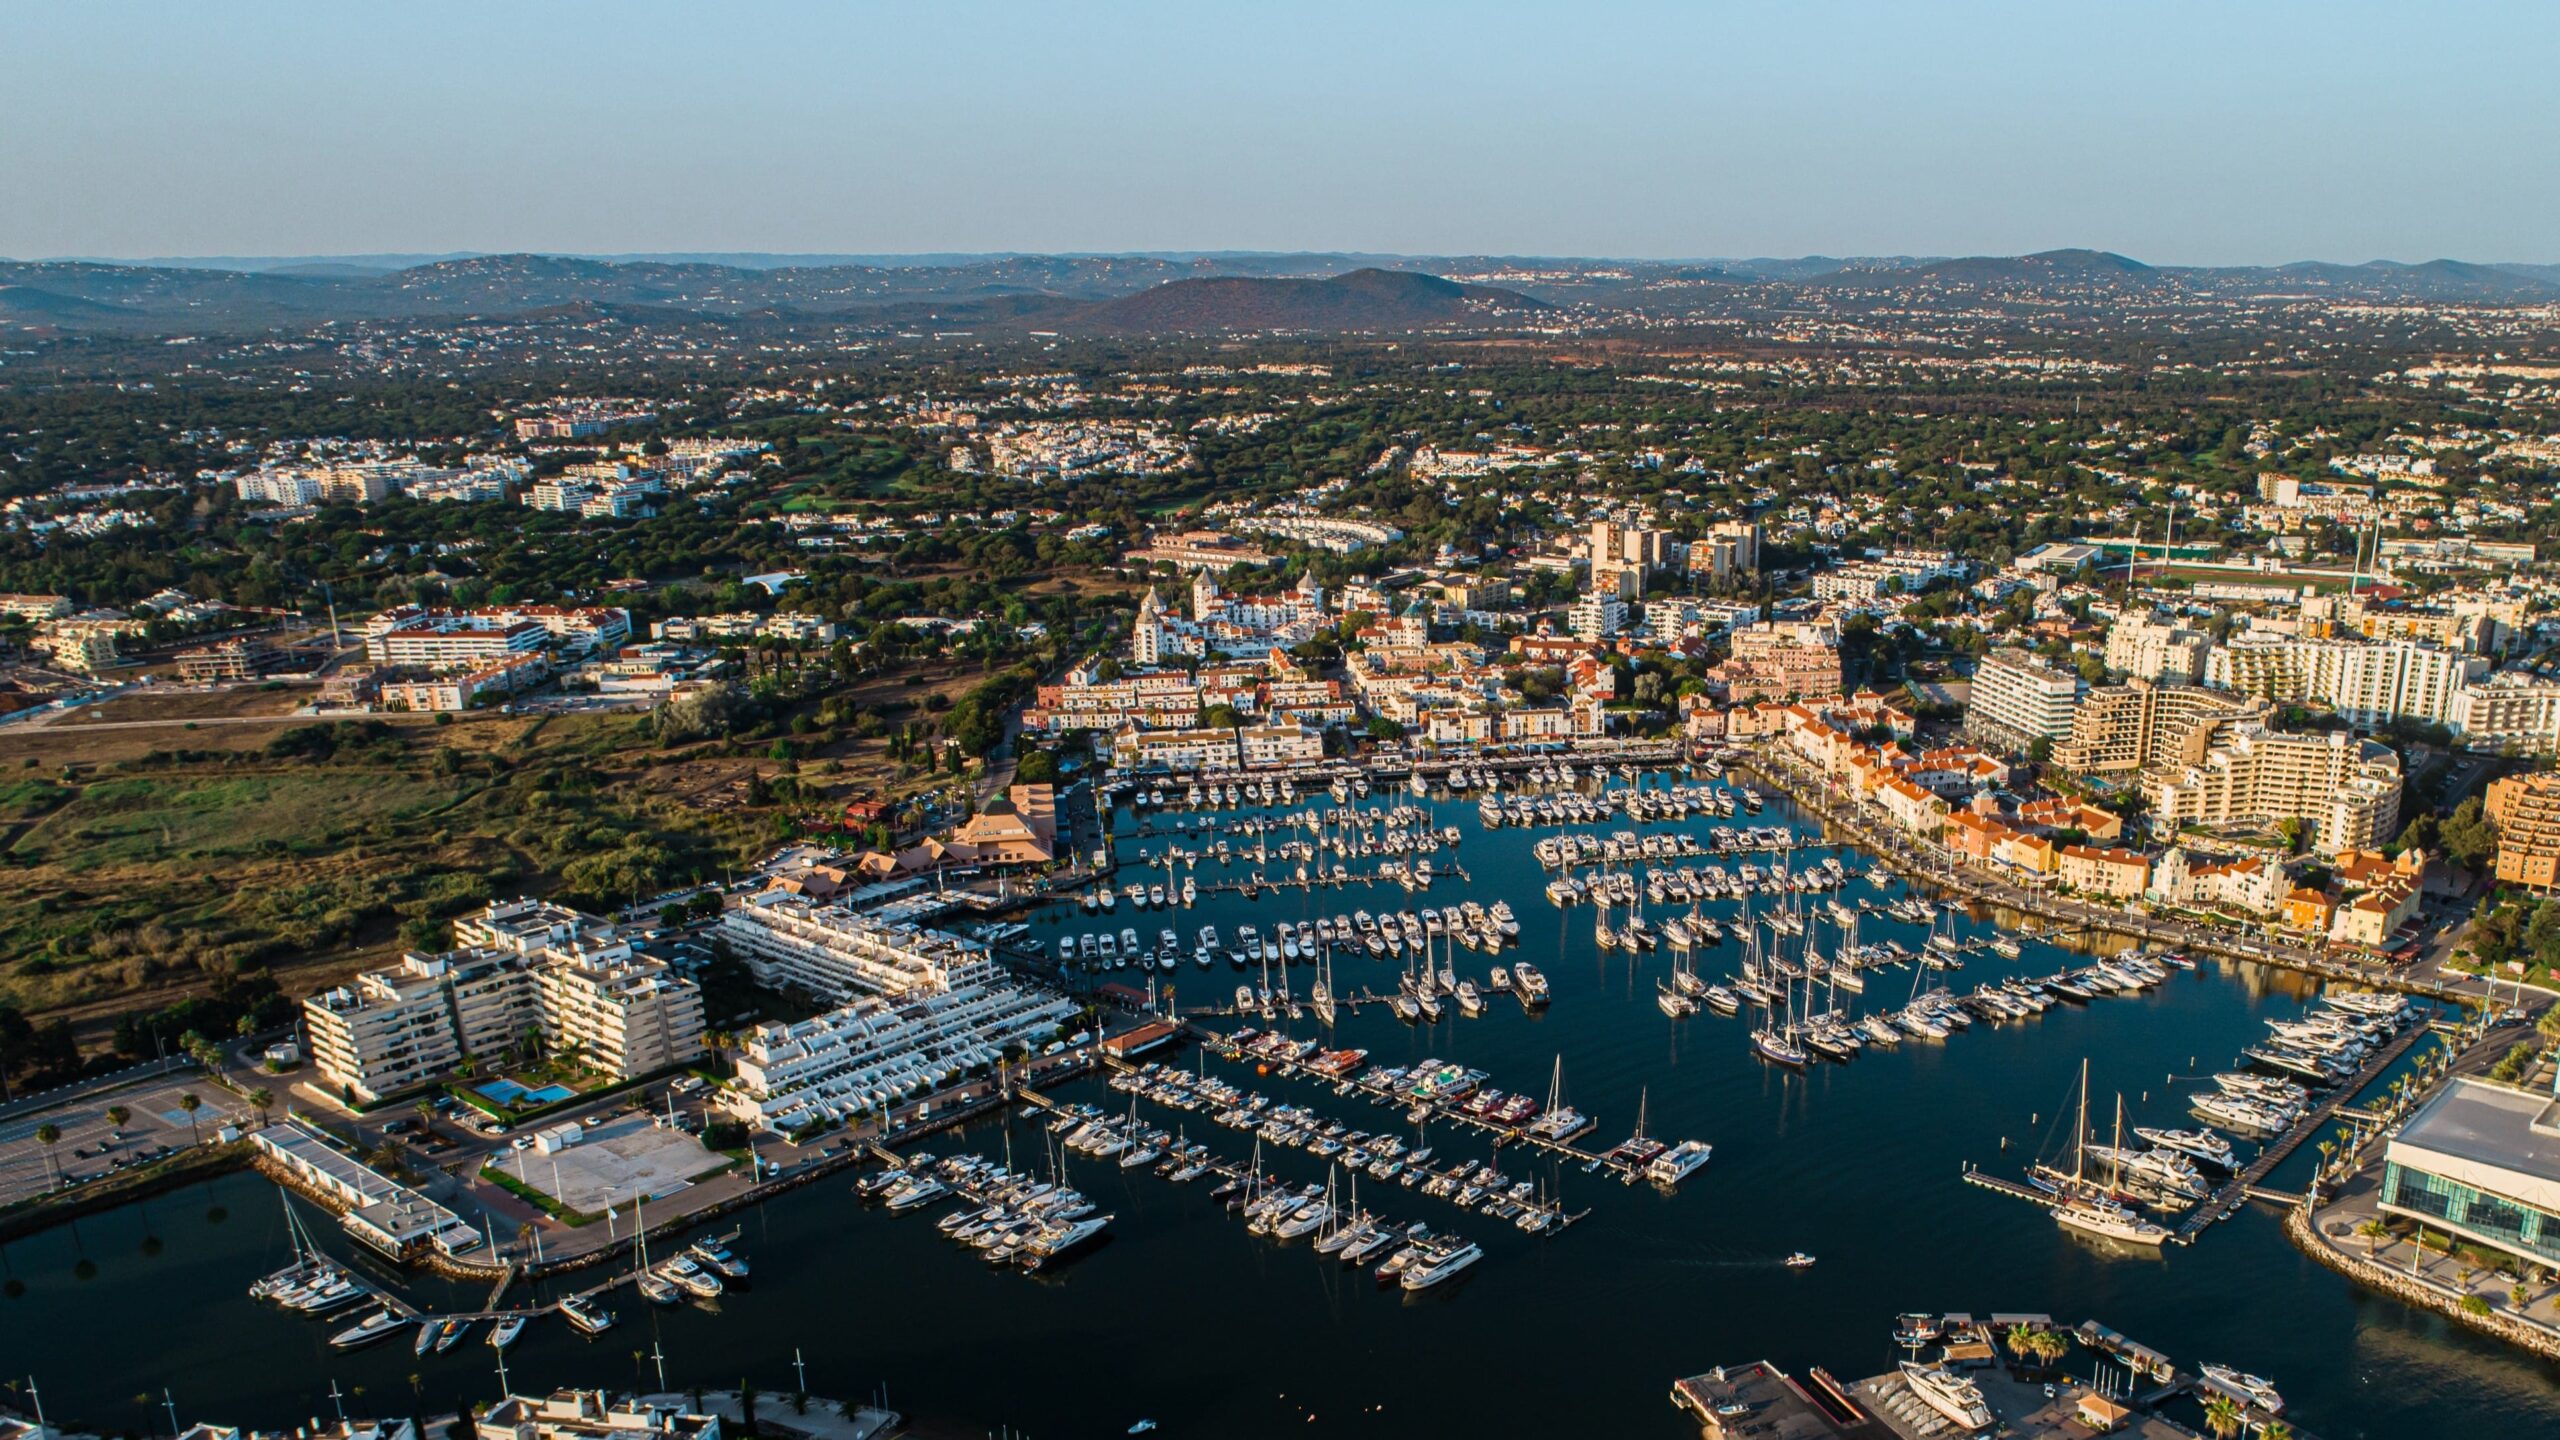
x=2174, y=132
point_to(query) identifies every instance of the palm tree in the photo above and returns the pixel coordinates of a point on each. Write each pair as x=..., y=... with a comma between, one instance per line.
x=48, y=1135
x=2051, y=1346
x=2518, y=1297
x=2223, y=1415
x=2374, y=1233
x=2275, y=1430
x=191, y=1103
x=118, y=1114
x=2020, y=1340
x=262, y=1100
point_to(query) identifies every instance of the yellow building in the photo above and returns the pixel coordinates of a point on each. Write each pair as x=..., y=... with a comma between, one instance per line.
x=2526, y=810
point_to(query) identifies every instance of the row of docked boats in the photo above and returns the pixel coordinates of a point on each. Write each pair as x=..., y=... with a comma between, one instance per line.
x=435, y=1335
x=1387, y=934
x=1414, y=1258
x=1013, y=1219
x=1280, y=790
x=1572, y=852
x=1645, y=806
x=1382, y=1155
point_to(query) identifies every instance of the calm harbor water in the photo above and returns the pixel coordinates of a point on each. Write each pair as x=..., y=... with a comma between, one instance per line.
x=1181, y=1317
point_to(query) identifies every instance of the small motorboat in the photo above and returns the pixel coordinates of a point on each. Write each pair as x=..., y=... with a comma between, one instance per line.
x=1799, y=1261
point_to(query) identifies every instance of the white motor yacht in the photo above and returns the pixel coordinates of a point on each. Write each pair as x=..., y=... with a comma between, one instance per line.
x=1948, y=1393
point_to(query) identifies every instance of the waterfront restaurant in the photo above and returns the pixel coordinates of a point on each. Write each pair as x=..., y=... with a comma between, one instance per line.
x=2483, y=1162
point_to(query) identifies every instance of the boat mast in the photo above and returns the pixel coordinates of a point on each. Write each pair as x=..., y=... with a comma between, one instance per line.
x=2080, y=1131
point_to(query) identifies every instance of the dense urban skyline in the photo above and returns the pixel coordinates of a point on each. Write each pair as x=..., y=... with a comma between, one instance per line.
x=2290, y=133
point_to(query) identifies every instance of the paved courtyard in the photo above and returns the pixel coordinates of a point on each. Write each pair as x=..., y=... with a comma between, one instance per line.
x=616, y=1163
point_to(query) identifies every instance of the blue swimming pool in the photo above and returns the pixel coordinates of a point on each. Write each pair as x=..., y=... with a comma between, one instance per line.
x=508, y=1092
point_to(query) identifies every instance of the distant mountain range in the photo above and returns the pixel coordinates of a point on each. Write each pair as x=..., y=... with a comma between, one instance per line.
x=1122, y=294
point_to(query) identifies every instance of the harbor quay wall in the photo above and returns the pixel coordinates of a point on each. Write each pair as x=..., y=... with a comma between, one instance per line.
x=43, y=1212
x=2412, y=1291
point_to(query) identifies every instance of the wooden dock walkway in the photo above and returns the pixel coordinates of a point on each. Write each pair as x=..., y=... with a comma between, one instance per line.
x=2015, y=1189
x=1503, y=1135
x=2250, y=1180
x=1560, y=1218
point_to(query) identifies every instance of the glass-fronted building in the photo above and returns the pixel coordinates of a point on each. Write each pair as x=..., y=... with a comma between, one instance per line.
x=2483, y=1162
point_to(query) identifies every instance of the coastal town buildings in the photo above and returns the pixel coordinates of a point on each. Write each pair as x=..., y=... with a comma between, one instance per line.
x=521, y=970
x=914, y=1007
x=2526, y=811
x=2347, y=790
x=2019, y=699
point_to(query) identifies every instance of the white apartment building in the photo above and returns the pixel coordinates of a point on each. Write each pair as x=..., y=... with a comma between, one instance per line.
x=2020, y=698
x=2147, y=648
x=35, y=607
x=278, y=487
x=2369, y=682
x=838, y=955
x=2509, y=708
x=873, y=1052
x=747, y=625
x=1597, y=615
x=2347, y=789
x=441, y=640
x=1896, y=572
x=398, y=1028
x=525, y=967
x=1270, y=746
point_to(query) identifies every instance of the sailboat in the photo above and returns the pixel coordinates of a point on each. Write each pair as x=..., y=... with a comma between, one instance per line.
x=1320, y=994
x=656, y=1288
x=1558, y=1122
x=1778, y=1045
x=2093, y=1214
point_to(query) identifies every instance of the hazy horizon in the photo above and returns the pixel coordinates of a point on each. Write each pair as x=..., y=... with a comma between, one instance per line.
x=2180, y=134
x=782, y=259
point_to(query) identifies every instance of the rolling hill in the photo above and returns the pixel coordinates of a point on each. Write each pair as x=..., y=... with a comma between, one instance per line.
x=1366, y=299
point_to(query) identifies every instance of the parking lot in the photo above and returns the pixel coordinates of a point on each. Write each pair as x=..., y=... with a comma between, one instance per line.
x=89, y=1149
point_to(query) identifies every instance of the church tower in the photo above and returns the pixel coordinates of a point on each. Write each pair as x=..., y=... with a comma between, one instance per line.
x=1146, y=642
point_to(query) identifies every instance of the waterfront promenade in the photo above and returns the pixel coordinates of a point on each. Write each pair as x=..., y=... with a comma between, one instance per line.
x=1932, y=865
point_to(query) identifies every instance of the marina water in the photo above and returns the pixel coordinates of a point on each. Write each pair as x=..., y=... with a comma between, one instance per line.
x=1181, y=1317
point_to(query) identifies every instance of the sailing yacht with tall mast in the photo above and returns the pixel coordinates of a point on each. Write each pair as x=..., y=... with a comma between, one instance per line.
x=2088, y=1212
